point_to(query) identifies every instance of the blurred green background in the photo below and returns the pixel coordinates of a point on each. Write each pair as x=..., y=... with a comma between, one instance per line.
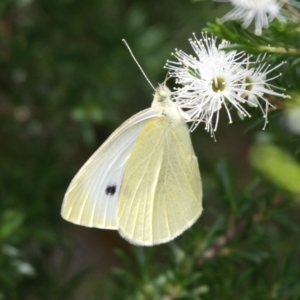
x=66, y=82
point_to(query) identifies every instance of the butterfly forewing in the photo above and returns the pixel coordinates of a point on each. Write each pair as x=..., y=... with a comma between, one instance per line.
x=161, y=191
x=92, y=197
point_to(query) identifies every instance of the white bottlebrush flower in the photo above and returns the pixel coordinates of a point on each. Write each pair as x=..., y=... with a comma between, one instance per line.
x=261, y=11
x=256, y=85
x=210, y=81
x=215, y=79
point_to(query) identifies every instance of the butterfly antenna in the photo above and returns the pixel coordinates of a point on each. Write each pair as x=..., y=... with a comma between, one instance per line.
x=168, y=76
x=124, y=41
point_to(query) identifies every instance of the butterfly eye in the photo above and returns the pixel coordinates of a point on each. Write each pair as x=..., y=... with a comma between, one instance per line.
x=110, y=190
x=162, y=93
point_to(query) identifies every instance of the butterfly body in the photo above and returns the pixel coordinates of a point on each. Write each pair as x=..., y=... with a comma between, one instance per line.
x=144, y=181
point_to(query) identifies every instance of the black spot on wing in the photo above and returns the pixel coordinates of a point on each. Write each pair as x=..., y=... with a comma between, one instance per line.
x=110, y=190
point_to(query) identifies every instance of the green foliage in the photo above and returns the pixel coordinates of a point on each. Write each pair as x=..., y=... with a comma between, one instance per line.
x=66, y=81
x=241, y=255
x=279, y=39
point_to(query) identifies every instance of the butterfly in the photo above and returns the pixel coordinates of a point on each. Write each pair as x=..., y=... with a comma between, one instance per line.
x=144, y=181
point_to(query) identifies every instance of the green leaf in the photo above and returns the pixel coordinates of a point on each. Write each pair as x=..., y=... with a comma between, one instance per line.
x=226, y=179
x=277, y=165
x=11, y=222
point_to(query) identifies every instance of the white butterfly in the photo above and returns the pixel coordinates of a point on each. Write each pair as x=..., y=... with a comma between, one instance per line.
x=144, y=181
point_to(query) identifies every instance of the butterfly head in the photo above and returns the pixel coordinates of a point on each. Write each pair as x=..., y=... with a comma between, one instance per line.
x=162, y=94
x=163, y=103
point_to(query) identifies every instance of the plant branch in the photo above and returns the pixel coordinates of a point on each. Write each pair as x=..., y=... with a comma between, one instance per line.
x=233, y=231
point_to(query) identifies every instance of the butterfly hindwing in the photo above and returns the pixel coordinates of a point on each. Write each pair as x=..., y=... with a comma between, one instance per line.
x=161, y=192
